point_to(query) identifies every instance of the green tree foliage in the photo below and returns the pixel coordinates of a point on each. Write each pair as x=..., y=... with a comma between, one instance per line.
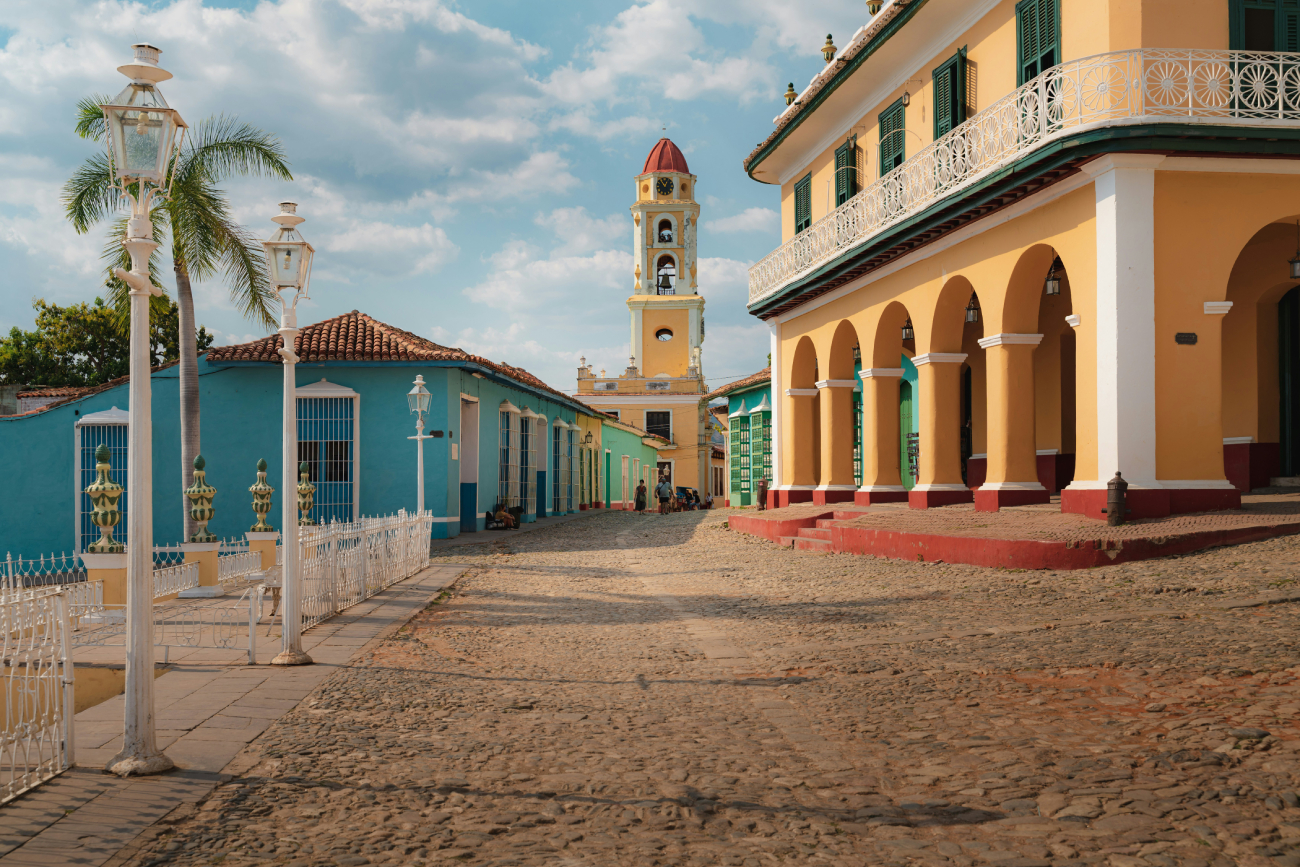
x=84, y=344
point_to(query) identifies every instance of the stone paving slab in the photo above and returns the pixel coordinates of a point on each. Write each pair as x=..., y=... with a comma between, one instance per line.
x=207, y=714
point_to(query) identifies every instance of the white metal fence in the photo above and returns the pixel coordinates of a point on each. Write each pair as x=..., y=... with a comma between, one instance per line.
x=174, y=579
x=237, y=567
x=1150, y=85
x=342, y=564
x=36, y=742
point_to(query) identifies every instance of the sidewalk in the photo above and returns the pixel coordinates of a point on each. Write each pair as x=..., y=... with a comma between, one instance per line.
x=489, y=536
x=206, y=713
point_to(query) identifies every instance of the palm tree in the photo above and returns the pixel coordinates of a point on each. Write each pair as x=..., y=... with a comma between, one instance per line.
x=195, y=219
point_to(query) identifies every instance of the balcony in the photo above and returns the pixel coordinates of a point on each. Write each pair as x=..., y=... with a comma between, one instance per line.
x=1143, y=86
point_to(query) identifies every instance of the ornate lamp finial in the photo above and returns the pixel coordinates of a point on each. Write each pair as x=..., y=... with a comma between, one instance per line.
x=104, y=494
x=790, y=95
x=261, y=492
x=305, y=492
x=200, y=495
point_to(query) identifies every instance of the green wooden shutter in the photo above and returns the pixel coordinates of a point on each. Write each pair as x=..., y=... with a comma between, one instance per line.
x=846, y=171
x=803, y=203
x=892, y=137
x=1287, y=35
x=1038, y=37
x=950, y=93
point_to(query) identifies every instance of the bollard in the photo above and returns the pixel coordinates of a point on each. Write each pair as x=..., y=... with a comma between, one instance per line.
x=762, y=494
x=1116, y=508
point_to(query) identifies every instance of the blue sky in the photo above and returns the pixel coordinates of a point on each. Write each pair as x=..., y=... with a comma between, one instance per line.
x=465, y=169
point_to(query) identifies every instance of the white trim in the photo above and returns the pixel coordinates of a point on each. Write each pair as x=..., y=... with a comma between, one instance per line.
x=324, y=388
x=652, y=400
x=944, y=487
x=836, y=488
x=882, y=489
x=763, y=405
x=801, y=392
x=1237, y=441
x=1011, y=486
x=971, y=230
x=1073, y=320
x=837, y=383
x=1047, y=452
x=795, y=488
x=103, y=561
x=938, y=358
x=881, y=372
x=742, y=411
x=1198, y=484
x=774, y=385
x=982, y=456
x=507, y=406
x=1124, y=190
x=866, y=108
x=559, y=422
x=108, y=416
x=1222, y=164
x=468, y=398
x=1006, y=339
x=1217, y=308
x=199, y=547
x=453, y=519
x=654, y=233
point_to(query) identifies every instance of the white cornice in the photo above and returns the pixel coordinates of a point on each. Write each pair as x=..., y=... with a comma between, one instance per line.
x=837, y=383
x=880, y=372
x=647, y=400
x=938, y=358
x=1005, y=339
x=1217, y=308
x=801, y=392
x=855, y=114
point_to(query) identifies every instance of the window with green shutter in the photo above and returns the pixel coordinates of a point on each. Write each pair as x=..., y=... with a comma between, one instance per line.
x=892, y=137
x=803, y=203
x=1038, y=35
x=950, y=94
x=846, y=171
x=1264, y=25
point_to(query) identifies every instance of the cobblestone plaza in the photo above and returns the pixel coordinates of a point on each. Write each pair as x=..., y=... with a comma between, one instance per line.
x=665, y=691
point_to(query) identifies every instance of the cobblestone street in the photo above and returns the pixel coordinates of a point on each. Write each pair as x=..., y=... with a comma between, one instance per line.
x=627, y=690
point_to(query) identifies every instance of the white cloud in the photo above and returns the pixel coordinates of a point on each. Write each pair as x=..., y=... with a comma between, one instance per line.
x=748, y=220
x=577, y=232
x=532, y=283
x=724, y=280
x=424, y=248
x=582, y=123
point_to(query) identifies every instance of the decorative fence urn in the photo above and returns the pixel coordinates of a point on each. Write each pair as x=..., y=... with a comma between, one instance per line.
x=305, y=492
x=104, y=494
x=200, y=495
x=261, y=500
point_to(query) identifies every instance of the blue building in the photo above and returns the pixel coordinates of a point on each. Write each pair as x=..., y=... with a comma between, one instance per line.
x=499, y=435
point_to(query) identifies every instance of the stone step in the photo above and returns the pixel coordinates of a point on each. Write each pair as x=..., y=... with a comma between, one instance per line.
x=786, y=541
x=822, y=533
x=820, y=546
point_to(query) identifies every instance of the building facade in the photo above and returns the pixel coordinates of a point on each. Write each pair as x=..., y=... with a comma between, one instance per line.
x=1073, y=220
x=661, y=387
x=748, y=445
x=499, y=435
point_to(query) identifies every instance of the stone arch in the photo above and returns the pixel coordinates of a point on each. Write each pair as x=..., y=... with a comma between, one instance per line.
x=1024, y=293
x=840, y=363
x=839, y=433
x=803, y=428
x=887, y=345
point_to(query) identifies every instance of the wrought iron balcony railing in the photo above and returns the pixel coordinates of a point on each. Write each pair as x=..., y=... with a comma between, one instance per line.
x=1148, y=85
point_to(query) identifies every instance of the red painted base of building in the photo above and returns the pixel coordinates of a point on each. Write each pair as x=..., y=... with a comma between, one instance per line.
x=991, y=501
x=866, y=498
x=1147, y=503
x=781, y=499
x=930, y=499
x=821, y=497
x=1251, y=465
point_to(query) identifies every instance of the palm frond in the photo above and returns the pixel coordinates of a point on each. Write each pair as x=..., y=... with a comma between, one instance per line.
x=90, y=117
x=90, y=194
x=222, y=146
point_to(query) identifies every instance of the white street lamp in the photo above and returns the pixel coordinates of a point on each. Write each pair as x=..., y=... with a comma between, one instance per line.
x=418, y=399
x=289, y=257
x=142, y=137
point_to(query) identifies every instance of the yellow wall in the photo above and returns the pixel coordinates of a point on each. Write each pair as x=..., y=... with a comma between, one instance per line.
x=671, y=357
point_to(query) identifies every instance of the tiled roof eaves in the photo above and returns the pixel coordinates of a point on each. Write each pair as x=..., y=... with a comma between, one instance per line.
x=90, y=391
x=764, y=375
x=849, y=64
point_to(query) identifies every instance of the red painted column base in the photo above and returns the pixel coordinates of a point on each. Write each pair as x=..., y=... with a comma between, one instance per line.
x=821, y=497
x=1153, y=503
x=866, y=498
x=781, y=499
x=991, y=501
x=930, y=499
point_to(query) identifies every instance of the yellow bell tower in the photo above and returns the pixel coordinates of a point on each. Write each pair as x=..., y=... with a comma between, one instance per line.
x=661, y=388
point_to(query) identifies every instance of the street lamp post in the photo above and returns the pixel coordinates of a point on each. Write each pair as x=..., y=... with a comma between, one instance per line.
x=289, y=257
x=418, y=399
x=142, y=137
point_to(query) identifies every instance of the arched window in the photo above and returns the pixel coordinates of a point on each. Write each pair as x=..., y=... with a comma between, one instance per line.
x=666, y=269
x=665, y=231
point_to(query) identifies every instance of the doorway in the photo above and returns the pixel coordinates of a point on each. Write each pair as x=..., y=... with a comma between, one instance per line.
x=468, y=465
x=1288, y=356
x=909, y=451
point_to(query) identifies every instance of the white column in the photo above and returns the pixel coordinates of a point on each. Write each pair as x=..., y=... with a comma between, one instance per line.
x=635, y=338
x=291, y=652
x=1126, y=311
x=777, y=402
x=140, y=753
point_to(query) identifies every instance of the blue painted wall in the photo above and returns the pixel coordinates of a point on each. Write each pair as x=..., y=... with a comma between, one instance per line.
x=240, y=422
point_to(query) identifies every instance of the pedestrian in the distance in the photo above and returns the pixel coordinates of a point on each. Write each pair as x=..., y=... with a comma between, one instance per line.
x=664, y=492
x=641, y=494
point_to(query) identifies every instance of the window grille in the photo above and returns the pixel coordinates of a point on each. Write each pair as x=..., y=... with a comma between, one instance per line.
x=739, y=457
x=659, y=423
x=325, y=442
x=857, y=438
x=527, y=467
x=760, y=436
x=506, y=460
x=557, y=470
x=573, y=468
x=626, y=487
x=90, y=437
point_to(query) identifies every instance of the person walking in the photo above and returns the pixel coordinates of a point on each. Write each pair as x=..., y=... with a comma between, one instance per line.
x=664, y=492
x=641, y=494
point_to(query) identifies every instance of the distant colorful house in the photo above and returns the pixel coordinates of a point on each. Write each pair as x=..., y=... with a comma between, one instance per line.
x=499, y=435
x=749, y=436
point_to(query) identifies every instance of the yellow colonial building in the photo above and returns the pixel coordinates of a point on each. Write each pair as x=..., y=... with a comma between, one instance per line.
x=1029, y=244
x=661, y=387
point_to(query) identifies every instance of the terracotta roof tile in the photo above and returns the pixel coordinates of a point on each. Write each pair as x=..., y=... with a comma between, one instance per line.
x=665, y=157
x=764, y=375
x=62, y=391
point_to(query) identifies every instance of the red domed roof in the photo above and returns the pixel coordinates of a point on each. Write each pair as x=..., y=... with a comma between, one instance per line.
x=665, y=157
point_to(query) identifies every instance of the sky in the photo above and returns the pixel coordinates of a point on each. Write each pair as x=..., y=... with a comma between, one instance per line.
x=465, y=169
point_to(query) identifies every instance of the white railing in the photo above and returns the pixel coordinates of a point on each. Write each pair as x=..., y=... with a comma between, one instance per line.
x=36, y=742
x=1149, y=85
x=56, y=569
x=170, y=580
x=343, y=564
x=237, y=568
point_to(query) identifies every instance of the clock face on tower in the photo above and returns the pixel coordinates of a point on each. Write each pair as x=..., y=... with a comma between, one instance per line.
x=664, y=186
